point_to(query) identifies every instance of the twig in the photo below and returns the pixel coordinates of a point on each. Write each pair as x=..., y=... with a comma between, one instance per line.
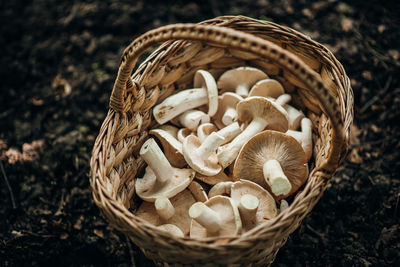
x=378, y=96
x=8, y=185
x=128, y=244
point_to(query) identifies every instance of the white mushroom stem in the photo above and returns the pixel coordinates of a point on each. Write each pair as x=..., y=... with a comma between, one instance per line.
x=304, y=137
x=248, y=206
x=205, y=216
x=210, y=144
x=156, y=160
x=295, y=116
x=228, y=153
x=283, y=99
x=164, y=208
x=242, y=90
x=274, y=176
x=229, y=116
x=284, y=205
x=178, y=103
x=192, y=118
x=229, y=132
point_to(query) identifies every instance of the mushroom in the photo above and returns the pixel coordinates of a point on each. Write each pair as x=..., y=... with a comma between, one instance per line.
x=218, y=216
x=183, y=133
x=191, y=119
x=222, y=188
x=215, y=179
x=202, y=156
x=262, y=113
x=240, y=80
x=160, y=179
x=229, y=132
x=267, y=88
x=283, y=205
x=205, y=130
x=226, y=113
x=172, y=229
x=304, y=137
x=171, y=146
x=294, y=115
x=205, y=91
x=255, y=204
x=169, y=211
x=273, y=160
x=198, y=191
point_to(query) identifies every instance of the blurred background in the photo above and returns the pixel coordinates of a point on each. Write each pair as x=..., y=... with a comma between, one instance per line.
x=58, y=62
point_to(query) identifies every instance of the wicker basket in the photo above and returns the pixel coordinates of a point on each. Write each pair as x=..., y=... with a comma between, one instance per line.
x=309, y=71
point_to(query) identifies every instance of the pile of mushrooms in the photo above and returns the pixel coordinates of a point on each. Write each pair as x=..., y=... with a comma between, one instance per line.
x=225, y=155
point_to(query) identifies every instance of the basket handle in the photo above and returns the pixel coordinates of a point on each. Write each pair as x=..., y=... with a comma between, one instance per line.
x=223, y=36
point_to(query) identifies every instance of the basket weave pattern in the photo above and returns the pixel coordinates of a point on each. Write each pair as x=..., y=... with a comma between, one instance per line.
x=209, y=45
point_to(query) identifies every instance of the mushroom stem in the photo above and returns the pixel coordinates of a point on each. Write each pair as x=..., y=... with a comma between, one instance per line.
x=248, y=206
x=229, y=116
x=274, y=176
x=210, y=144
x=229, y=132
x=175, y=104
x=228, y=153
x=242, y=90
x=283, y=99
x=192, y=118
x=284, y=205
x=205, y=216
x=172, y=229
x=164, y=208
x=156, y=160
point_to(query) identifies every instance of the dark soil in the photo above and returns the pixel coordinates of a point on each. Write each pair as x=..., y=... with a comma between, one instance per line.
x=57, y=66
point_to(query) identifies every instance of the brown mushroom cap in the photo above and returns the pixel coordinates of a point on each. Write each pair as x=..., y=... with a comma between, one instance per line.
x=225, y=100
x=247, y=76
x=228, y=215
x=267, y=88
x=181, y=219
x=257, y=106
x=266, y=208
x=269, y=145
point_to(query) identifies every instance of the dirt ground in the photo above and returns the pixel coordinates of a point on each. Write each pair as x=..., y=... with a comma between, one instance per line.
x=58, y=63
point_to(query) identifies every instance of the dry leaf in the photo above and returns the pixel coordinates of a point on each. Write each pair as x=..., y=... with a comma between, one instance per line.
x=354, y=156
x=347, y=24
x=99, y=233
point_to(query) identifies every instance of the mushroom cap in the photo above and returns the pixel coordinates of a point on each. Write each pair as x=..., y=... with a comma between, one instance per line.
x=204, y=79
x=266, y=208
x=183, y=133
x=267, y=88
x=229, y=215
x=172, y=229
x=198, y=191
x=207, y=166
x=205, y=129
x=240, y=76
x=181, y=202
x=258, y=106
x=171, y=146
x=149, y=189
x=225, y=100
x=269, y=145
x=215, y=179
